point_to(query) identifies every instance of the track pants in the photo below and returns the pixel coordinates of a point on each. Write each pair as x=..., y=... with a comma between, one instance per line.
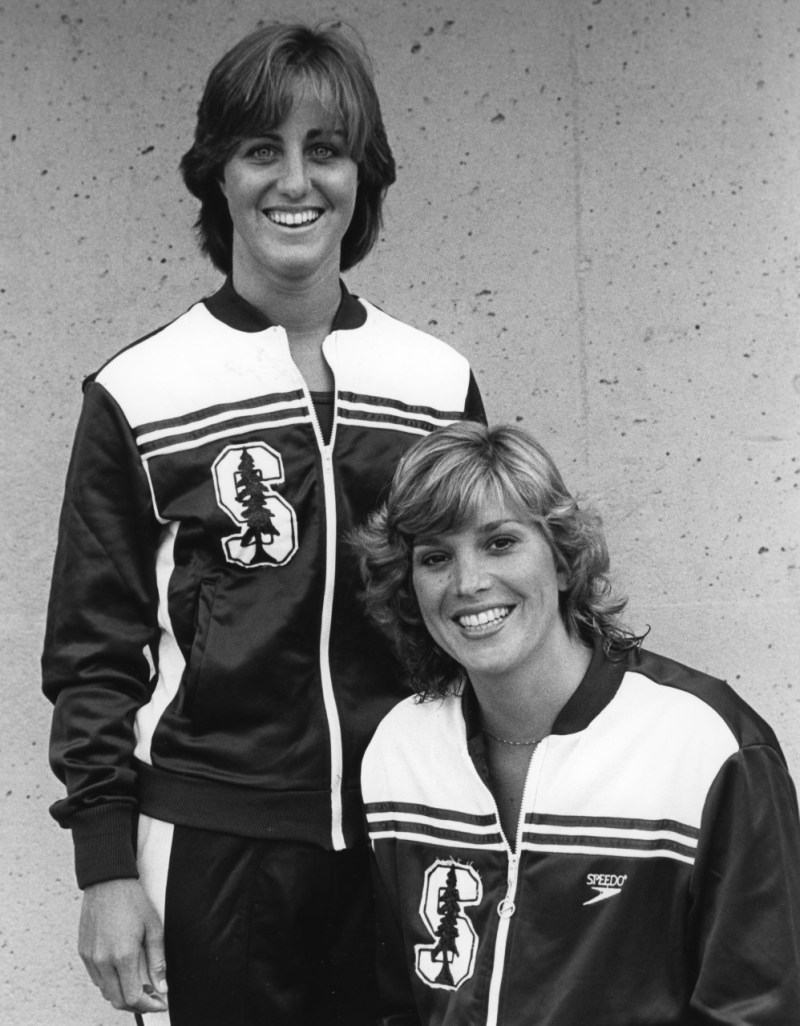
x=260, y=932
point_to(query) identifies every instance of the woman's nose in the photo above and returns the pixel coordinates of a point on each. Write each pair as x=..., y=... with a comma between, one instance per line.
x=470, y=575
x=293, y=181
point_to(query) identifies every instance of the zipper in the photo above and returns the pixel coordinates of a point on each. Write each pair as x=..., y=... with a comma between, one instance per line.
x=328, y=695
x=507, y=907
x=329, y=698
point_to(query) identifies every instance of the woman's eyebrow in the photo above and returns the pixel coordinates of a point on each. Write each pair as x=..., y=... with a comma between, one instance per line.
x=493, y=525
x=421, y=540
x=314, y=133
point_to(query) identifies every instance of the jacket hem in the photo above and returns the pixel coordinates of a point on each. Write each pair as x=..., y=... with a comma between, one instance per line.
x=247, y=811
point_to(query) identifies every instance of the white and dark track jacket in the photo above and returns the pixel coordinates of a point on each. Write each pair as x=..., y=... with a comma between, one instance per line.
x=654, y=880
x=206, y=650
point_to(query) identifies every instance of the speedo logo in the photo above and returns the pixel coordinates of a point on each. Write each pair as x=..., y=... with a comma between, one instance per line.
x=607, y=885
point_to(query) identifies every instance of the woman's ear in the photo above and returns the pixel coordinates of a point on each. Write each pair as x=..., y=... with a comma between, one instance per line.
x=563, y=580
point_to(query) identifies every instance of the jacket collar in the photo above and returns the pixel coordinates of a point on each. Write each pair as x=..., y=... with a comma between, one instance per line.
x=232, y=309
x=599, y=685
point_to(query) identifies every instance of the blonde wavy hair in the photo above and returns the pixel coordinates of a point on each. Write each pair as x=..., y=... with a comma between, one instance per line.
x=438, y=486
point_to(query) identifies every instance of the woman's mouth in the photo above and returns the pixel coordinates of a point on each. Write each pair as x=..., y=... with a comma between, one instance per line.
x=477, y=623
x=293, y=218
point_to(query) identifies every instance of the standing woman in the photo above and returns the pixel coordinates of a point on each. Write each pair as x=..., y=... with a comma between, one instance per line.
x=214, y=680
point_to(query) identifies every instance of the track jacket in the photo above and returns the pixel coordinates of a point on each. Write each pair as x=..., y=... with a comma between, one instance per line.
x=206, y=652
x=655, y=877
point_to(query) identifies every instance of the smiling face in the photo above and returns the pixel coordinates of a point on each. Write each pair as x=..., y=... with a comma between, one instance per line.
x=488, y=594
x=291, y=194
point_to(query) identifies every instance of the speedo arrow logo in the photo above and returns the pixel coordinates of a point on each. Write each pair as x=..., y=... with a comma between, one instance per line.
x=602, y=894
x=607, y=886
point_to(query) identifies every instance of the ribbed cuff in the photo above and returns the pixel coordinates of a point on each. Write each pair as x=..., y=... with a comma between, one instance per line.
x=104, y=845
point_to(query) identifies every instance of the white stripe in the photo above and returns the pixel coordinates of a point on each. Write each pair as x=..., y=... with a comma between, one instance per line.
x=497, y=972
x=565, y=849
x=623, y=853
x=331, y=710
x=442, y=842
x=393, y=411
x=389, y=426
x=444, y=824
x=154, y=848
x=512, y=882
x=217, y=418
x=171, y=663
x=241, y=429
x=633, y=834
x=159, y=518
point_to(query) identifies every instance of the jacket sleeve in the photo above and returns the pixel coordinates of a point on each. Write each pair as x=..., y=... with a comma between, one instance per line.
x=102, y=620
x=395, y=998
x=473, y=407
x=745, y=914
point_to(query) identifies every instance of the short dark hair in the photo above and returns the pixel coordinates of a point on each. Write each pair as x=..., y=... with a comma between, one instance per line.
x=438, y=486
x=253, y=88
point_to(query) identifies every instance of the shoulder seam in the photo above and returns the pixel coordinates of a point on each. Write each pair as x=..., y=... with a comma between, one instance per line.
x=139, y=341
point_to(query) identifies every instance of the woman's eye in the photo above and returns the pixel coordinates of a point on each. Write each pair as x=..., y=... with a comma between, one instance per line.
x=322, y=152
x=261, y=152
x=431, y=559
x=501, y=544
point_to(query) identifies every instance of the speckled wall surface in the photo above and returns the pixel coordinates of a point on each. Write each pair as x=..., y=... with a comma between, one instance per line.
x=597, y=203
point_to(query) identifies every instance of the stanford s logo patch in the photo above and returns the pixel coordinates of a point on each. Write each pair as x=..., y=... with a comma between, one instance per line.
x=448, y=887
x=243, y=479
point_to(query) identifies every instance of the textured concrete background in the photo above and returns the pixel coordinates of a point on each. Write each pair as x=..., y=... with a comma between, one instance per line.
x=597, y=202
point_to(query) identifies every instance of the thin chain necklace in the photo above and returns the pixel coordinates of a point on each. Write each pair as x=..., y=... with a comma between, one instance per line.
x=508, y=741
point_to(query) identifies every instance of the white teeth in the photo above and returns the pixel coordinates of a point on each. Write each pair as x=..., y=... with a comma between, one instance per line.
x=291, y=218
x=486, y=618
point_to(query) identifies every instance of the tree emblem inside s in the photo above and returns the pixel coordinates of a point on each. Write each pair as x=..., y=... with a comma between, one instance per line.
x=244, y=476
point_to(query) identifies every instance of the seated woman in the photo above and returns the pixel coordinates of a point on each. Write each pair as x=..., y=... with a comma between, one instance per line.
x=567, y=829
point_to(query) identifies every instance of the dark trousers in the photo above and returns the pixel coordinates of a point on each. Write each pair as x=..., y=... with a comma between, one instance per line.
x=267, y=933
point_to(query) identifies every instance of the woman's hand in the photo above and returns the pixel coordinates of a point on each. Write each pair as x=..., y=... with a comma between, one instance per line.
x=121, y=942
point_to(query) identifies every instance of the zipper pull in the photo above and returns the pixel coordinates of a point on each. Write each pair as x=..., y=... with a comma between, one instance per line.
x=506, y=908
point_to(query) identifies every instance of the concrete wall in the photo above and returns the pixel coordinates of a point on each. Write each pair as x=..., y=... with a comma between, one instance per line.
x=597, y=203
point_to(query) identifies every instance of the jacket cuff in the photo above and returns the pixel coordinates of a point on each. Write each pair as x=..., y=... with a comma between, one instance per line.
x=104, y=843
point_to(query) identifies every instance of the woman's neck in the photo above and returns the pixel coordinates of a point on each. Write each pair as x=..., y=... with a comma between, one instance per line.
x=526, y=705
x=304, y=307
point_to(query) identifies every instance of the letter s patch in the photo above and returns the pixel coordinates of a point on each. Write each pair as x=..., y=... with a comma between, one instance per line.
x=448, y=887
x=243, y=479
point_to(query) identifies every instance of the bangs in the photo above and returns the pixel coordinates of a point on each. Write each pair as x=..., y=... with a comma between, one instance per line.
x=271, y=91
x=453, y=501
